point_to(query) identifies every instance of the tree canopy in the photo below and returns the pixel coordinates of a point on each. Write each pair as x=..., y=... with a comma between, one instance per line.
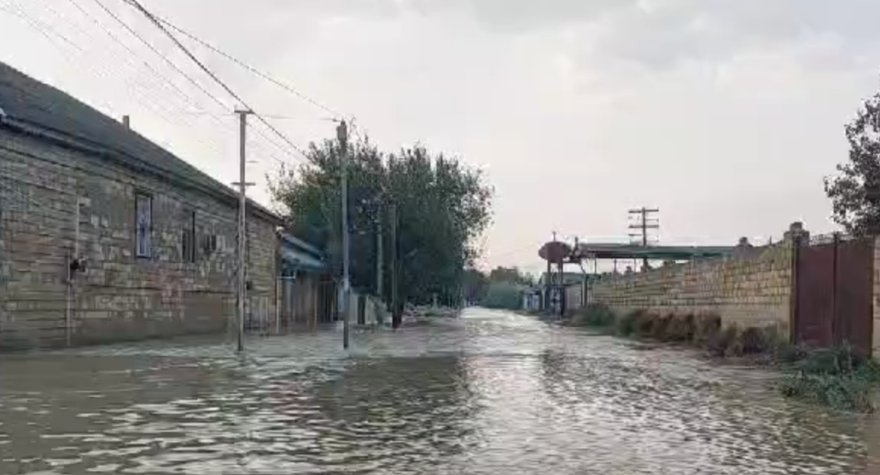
x=855, y=191
x=442, y=206
x=502, y=287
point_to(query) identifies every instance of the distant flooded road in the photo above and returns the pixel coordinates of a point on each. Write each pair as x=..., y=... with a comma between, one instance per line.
x=488, y=393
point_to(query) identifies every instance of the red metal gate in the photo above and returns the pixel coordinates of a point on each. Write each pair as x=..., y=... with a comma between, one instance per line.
x=833, y=289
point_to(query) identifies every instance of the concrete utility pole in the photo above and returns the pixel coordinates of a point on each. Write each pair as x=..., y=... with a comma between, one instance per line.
x=242, y=227
x=644, y=223
x=342, y=135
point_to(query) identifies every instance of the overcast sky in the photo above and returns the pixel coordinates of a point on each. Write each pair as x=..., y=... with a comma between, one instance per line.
x=725, y=114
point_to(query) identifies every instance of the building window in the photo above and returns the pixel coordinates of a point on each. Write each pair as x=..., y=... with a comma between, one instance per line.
x=143, y=224
x=209, y=244
x=188, y=244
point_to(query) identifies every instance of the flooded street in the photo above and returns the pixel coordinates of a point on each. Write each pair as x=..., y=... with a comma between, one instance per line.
x=491, y=392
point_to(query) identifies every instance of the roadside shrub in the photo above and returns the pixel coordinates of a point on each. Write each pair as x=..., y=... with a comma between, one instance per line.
x=706, y=328
x=594, y=315
x=626, y=325
x=645, y=324
x=779, y=346
x=839, y=360
x=754, y=341
x=838, y=377
x=722, y=342
x=850, y=393
x=659, y=326
x=503, y=295
x=681, y=328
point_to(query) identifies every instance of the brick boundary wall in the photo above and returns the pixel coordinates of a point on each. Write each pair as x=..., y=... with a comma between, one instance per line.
x=751, y=288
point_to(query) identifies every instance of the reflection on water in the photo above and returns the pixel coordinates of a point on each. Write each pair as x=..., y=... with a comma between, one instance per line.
x=490, y=393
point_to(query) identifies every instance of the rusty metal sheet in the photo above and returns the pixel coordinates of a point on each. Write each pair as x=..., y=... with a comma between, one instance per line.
x=853, y=297
x=815, y=295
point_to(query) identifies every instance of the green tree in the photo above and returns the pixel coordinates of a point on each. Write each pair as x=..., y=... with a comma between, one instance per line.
x=503, y=295
x=509, y=274
x=475, y=284
x=442, y=206
x=855, y=191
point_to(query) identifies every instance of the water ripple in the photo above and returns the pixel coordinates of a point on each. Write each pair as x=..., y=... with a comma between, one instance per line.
x=488, y=393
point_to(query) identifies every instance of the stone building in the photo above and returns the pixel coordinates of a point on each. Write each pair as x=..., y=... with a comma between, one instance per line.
x=105, y=236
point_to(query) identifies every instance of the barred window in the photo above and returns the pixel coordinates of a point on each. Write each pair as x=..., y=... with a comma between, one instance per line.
x=188, y=244
x=143, y=224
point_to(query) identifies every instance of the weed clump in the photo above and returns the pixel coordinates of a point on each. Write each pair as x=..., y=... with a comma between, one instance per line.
x=626, y=325
x=706, y=328
x=681, y=328
x=838, y=377
x=594, y=315
x=722, y=342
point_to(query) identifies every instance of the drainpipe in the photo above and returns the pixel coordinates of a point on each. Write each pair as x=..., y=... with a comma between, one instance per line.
x=68, y=265
x=74, y=263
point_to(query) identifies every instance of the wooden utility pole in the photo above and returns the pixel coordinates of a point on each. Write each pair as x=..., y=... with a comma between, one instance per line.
x=396, y=316
x=644, y=223
x=242, y=227
x=380, y=254
x=342, y=135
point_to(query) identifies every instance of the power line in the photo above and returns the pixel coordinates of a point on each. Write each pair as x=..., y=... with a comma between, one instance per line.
x=41, y=27
x=163, y=56
x=247, y=66
x=44, y=27
x=131, y=51
x=149, y=101
x=171, y=63
x=210, y=73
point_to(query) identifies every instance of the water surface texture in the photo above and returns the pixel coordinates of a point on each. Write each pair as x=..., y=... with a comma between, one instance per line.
x=488, y=393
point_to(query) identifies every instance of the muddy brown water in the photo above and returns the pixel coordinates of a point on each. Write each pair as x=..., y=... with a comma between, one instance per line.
x=488, y=393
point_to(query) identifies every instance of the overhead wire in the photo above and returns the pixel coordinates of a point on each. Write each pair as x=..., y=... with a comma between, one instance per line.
x=337, y=116
x=65, y=44
x=249, y=67
x=160, y=54
x=155, y=72
x=142, y=94
x=173, y=65
x=213, y=75
x=44, y=31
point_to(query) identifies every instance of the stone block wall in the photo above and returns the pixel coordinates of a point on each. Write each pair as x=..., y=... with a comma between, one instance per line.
x=751, y=289
x=57, y=203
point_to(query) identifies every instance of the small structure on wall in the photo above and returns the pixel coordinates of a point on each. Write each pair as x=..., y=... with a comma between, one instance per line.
x=306, y=288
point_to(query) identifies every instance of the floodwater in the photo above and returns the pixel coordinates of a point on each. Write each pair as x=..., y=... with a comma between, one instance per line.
x=490, y=392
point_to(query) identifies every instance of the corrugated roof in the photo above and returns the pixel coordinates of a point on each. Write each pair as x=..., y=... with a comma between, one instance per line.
x=34, y=103
x=291, y=240
x=301, y=260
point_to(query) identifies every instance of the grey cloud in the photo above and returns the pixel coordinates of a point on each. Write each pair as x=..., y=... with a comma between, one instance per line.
x=660, y=33
x=524, y=15
x=713, y=30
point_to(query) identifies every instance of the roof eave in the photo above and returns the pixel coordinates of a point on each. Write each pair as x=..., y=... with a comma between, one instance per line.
x=85, y=145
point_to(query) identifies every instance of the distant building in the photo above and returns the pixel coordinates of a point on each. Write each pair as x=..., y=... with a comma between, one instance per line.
x=575, y=290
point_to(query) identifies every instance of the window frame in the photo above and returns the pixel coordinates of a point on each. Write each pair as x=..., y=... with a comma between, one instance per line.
x=189, y=230
x=138, y=196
